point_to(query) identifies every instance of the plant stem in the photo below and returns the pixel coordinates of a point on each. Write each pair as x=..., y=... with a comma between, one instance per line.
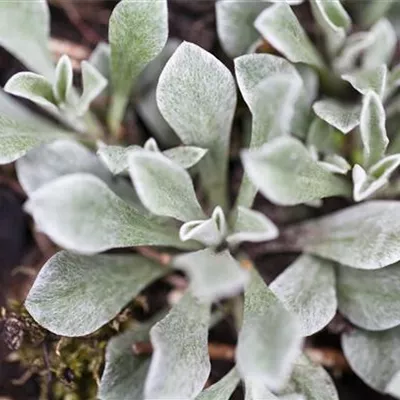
x=116, y=113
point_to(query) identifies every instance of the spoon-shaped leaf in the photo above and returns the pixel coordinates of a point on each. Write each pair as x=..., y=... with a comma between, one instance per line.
x=175, y=372
x=75, y=295
x=286, y=174
x=79, y=212
x=307, y=287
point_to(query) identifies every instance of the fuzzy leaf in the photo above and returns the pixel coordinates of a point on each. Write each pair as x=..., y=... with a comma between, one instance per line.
x=252, y=226
x=369, y=299
x=312, y=381
x=163, y=187
x=100, y=59
x=344, y=117
x=363, y=236
x=373, y=356
x=383, y=45
x=393, y=388
x=175, y=372
x=333, y=20
x=280, y=27
x=270, y=86
x=364, y=80
x=365, y=185
x=79, y=212
x=116, y=157
x=63, y=80
x=307, y=287
x=269, y=340
x=33, y=87
x=18, y=138
x=124, y=373
x=185, y=156
x=196, y=94
x=75, y=295
x=324, y=137
x=286, y=174
x=212, y=275
x=235, y=24
x=138, y=31
x=93, y=85
x=210, y=232
x=25, y=31
x=223, y=389
x=336, y=164
x=372, y=128
x=255, y=390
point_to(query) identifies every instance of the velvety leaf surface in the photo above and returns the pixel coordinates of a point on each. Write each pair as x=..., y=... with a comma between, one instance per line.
x=252, y=226
x=373, y=356
x=196, y=95
x=124, y=373
x=269, y=340
x=24, y=32
x=164, y=188
x=307, y=287
x=185, y=156
x=18, y=138
x=79, y=212
x=63, y=80
x=212, y=275
x=372, y=128
x=235, y=28
x=363, y=236
x=312, y=381
x=75, y=295
x=180, y=364
x=138, y=30
x=370, y=299
x=279, y=26
x=222, y=389
x=344, y=117
x=286, y=174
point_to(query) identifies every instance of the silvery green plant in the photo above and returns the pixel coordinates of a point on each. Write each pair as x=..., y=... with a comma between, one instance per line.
x=306, y=142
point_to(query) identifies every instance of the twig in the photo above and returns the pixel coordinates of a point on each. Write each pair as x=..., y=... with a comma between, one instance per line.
x=161, y=258
x=329, y=358
x=217, y=351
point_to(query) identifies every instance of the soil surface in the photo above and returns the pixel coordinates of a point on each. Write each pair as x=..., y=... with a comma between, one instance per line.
x=85, y=24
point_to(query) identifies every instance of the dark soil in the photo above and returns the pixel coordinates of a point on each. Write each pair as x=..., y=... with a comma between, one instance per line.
x=85, y=24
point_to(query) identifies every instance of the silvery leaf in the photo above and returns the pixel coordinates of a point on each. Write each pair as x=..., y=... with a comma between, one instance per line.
x=79, y=212
x=75, y=295
x=324, y=137
x=364, y=184
x=286, y=174
x=175, y=372
x=364, y=80
x=393, y=387
x=336, y=164
x=372, y=129
x=165, y=188
x=312, y=381
x=333, y=20
x=369, y=299
x=196, y=94
x=25, y=31
x=383, y=45
x=137, y=33
x=251, y=226
x=255, y=390
x=363, y=236
x=33, y=87
x=307, y=287
x=212, y=275
x=344, y=117
x=185, y=156
x=93, y=85
x=270, y=340
x=210, y=232
x=235, y=21
x=373, y=356
x=18, y=138
x=63, y=80
x=125, y=373
x=223, y=389
x=280, y=27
